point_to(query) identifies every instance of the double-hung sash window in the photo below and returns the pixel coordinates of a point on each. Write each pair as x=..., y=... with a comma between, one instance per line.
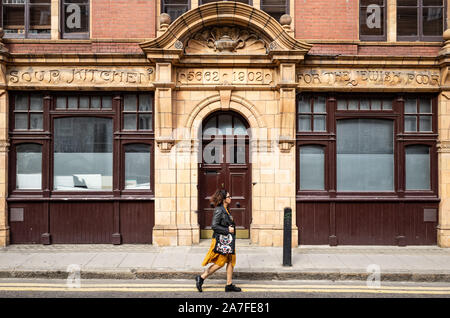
x=420, y=20
x=174, y=8
x=26, y=18
x=372, y=20
x=275, y=8
x=75, y=19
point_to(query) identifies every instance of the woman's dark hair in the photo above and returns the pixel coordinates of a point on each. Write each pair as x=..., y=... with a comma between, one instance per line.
x=218, y=197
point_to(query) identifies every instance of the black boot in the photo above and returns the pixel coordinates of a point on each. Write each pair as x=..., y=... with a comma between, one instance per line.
x=199, y=282
x=232, y=288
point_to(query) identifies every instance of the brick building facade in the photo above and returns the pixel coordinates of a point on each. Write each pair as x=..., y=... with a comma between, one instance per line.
x=119, y=119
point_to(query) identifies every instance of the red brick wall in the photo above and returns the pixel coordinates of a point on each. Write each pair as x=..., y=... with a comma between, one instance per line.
x=37, y=48
x=399, y=50
x=123, y=19
x=326, y=19
x=379, y=50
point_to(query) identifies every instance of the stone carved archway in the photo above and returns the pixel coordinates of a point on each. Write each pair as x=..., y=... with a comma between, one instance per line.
x=193, y=123
x=222, y=35
x=215, y=103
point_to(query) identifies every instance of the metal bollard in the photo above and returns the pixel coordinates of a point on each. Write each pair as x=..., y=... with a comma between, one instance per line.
x=287, y=237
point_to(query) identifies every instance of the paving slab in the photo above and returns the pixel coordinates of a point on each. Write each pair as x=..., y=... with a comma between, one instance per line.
x=387, y=262
x=106, y=260
x=12, y=260
x=138, y=260
x=56, y=261
x=321, y=261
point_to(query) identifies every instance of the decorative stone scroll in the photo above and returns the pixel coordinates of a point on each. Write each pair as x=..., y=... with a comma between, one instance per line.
x=225, y=40
x=368, y=78
x=80, y=76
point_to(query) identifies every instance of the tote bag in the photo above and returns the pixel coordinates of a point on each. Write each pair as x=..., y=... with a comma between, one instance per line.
x=224, y=244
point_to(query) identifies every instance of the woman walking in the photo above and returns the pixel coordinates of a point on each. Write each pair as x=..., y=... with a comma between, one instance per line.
x=222, y=250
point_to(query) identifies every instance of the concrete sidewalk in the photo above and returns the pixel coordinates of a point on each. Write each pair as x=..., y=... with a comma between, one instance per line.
x=254, y=263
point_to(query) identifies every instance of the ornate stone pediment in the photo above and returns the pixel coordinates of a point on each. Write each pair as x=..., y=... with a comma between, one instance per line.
x=226, y=29
x=226, y=40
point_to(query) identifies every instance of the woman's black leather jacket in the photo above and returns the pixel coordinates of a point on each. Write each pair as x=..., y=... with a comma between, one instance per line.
x=221, y=221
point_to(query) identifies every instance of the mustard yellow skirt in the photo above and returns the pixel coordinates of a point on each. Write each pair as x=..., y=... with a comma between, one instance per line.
x=218, y=259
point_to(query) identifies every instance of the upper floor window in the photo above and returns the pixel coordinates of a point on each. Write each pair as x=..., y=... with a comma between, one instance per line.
x=26, y=18
x=420, y=20
x=312, y=113
x=275, y=8
x=249, y=2
x=364, y=103
x=174, y=8
x=137, y=112
x=28, y=110
x=418, y=115
x=75, y=18
x=372, y=20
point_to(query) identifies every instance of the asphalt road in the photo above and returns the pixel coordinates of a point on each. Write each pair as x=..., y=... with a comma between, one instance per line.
x=170, y=289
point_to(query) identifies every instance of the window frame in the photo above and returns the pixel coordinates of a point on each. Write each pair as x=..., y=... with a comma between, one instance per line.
x=287, y=7
x=312, y=114
x=433, y=164
x=401, y=140
x=13, y=166
x=420, y=36
x=326, y=172
x=26, y=34
x=164, y=6
x=395, y=150
x=45, y=138
x=28, y=111
x=74, y=35
x=380, y=38
x=200, y=2
x=137, y=113
x=123, y=145
x=418, y=114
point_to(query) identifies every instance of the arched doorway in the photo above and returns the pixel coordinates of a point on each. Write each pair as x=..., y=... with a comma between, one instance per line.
x=225, y=163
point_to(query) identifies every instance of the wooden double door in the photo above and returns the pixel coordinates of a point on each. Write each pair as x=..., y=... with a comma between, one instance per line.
x=225, y=165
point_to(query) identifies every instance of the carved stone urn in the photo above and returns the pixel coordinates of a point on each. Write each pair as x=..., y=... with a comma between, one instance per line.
x=226, y=43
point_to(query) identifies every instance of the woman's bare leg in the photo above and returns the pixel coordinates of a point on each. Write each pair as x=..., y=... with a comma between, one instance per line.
x=229, y=274
x=211, y=270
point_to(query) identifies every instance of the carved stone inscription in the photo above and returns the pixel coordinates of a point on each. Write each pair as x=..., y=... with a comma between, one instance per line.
x=40, y=76
x=368, y=78
x=233, y=76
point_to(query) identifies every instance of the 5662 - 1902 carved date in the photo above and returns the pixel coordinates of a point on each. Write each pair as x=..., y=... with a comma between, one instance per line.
x=219, y=76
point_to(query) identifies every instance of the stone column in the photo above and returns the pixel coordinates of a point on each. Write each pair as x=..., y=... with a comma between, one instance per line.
x=444, y=169
x=444, y=145
x=286, y=174
x=273, y=165
x=165, y=230
x=186, y=167
x=391, y=24
x=4, y=147
x=55, y=12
